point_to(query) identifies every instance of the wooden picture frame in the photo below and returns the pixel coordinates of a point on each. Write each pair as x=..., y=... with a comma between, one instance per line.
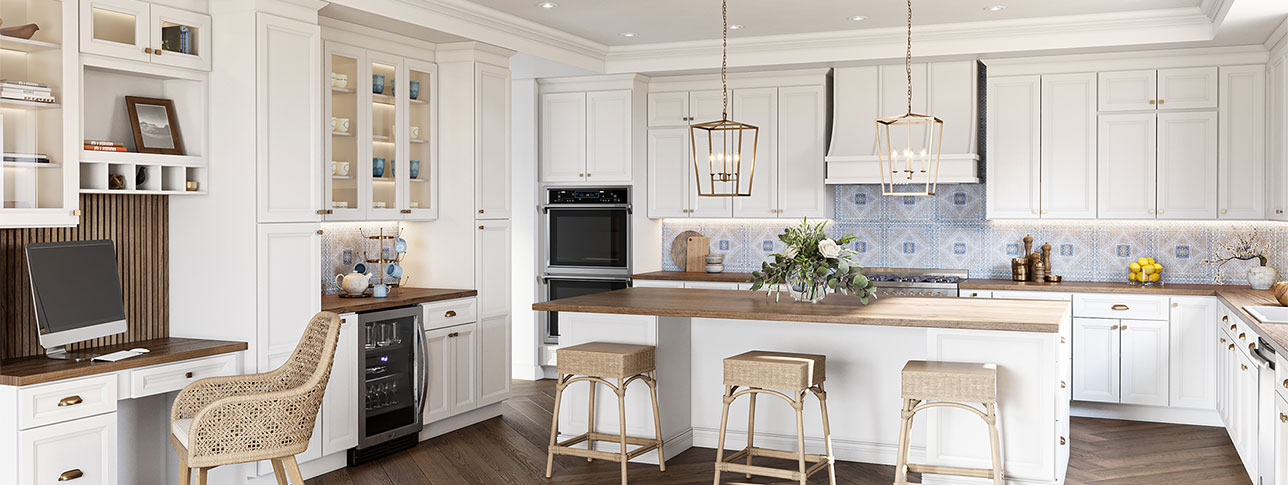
x=162, y=133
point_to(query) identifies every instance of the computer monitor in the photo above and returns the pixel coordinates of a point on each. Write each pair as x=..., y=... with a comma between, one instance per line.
x=77, y=293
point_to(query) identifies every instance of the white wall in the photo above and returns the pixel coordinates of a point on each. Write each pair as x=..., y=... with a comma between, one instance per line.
x=524, y=220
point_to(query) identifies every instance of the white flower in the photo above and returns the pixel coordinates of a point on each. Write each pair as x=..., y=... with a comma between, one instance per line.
x=828, y=248
x=790, y=253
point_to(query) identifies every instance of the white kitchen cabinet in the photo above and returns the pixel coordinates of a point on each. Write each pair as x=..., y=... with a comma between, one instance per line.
x=1096, y=359
x=802, y=118
x=1068, y=145
x=464, y=363
x=492, y=169
x=1244, y=417
x=1187, y=178
x=340, y=402
x=492, y=274
x=668, y=109
x=1187, y=88
x=668, y=172
x=1144, y=362
x=1281, y=439
x=1193, y=367
x=974, y=294
x=1014, y=147
x=759, y=107
x=1128, y=90
x=1242, y=143
x=141, y=31
x=1224, y=377
x=52, y=454
x=438, y=393
x=563, y=137
x=1277, y=129
x=1126, y=165
x=288, y=270
x=288, y=124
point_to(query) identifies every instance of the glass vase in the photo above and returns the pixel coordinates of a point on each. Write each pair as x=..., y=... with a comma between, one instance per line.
x=808, y=291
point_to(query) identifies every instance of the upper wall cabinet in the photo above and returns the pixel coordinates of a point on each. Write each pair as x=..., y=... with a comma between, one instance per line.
x=1185, y=88
x=591, y=128
x=1277, y=127
x=141, y=31
x=1014, y=147
x=289, y=138
x=1242, y=143
x=860, y=95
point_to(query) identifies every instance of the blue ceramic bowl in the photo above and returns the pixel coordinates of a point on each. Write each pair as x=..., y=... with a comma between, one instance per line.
x=378, y=83
x=378, y=167
x=415, y=90
x=415, y=168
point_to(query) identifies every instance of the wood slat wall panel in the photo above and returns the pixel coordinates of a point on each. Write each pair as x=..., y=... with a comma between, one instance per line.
x=139, y=227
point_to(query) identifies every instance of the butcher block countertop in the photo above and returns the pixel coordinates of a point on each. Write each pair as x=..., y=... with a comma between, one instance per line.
x=1170, y=289
x=694, y=276
x=951, y=313
x=398, y=297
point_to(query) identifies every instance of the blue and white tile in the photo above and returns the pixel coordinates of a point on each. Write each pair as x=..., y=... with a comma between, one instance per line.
x=1071, y=251
x=858, y=203
x=961, y=202
x=1182, y=252
x=762, y=241
x=1117, y=246
x=866, y=243
x=908, y=208
x=911, y=246
x=960, y=247
x=731, y=241
x=1005, y=242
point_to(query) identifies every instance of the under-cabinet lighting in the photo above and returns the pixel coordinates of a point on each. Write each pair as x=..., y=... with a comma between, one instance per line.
x=995, y=8
x=859, y=18
x=547, y=5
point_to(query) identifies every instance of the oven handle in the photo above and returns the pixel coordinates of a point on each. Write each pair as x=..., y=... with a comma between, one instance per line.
x=546, y=207
x=1261, y=359
x=626, y=279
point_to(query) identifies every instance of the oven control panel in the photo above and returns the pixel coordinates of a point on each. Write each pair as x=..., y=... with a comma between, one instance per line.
x=588, y=196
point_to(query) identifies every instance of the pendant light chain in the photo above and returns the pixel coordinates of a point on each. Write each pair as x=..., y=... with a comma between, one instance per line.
x=908, y=60
x=724, y=60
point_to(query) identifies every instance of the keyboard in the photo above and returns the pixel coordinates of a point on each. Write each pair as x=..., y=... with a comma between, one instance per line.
x=115, y=356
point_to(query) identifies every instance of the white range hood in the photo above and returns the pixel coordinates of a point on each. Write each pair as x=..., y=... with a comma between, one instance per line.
x=951, y=91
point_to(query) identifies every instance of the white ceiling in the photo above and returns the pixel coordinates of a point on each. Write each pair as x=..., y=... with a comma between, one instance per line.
x=658, y=21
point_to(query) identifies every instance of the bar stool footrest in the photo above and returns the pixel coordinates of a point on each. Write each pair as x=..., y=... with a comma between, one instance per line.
x=819, y=462
x=951, y=470
x=565, y=447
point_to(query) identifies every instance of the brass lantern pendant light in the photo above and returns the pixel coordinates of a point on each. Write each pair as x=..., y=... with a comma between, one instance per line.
x=908, y=146
x=719, y=163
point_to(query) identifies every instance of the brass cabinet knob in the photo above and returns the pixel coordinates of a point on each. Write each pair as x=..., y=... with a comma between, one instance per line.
x=1231, y=347
x=1252, y=347
x=1062, y=441
x=480, y=228
x=1222, y=339
x=1115, y=327
x=319, y=232
x=1151, y=211
x=1243, y=366
x=69, y=401
x=1234, y=327
x=1285, y=383
x=1283, y=418
x=1063, y=385
x=1124, y=327
x=1044, y=211
x=76, y=212
x=1035, y=211
x=70, y=475
x=1152, y=101
x=187, y=375
x=1223, y=211
x=1279, y=211
x=1225, y=318
x=587, y=174
x=1243, y=336
x=147, y=50
x=1175, y=305
x=581, y=175
x=1160, y=211
x=406, y=211
x=321, y=211
x=1160, y=101
x=1061, y=339
x=449, y=314
x=480, y=211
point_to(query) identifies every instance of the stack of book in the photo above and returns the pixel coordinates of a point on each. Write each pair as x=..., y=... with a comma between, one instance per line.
x=25, y=91
x=26, y=157
x=105, y=146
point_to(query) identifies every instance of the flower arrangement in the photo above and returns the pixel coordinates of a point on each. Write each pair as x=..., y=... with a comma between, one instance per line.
x=1246, y=248
x=812, y=265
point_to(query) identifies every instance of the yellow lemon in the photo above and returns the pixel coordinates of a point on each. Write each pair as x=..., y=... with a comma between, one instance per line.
x=1158, y=268
x=1132, y=277
x=1148, y=269
x=1143, y=261
x=1134, y=267
x=1151, y=260
x=1154, y=277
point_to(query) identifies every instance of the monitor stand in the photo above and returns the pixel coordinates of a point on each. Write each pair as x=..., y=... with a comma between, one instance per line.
x=61, y=353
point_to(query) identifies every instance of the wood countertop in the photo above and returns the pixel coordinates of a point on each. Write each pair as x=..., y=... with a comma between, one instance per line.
x=398, y=297
x=25, y=371
x=952, y=313
x=694, y=276
x=1094, y=287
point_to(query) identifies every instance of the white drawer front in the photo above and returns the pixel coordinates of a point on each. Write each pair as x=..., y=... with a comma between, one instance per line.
x=81, y=452
x=1281, y=374
x=65, y=400
x=161, y=379
x=1133, y=307
x=452, y=312
x=964, y=293
x=1032, y=295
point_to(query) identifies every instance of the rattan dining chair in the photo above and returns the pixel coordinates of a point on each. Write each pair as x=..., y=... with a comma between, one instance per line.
x=270, y=416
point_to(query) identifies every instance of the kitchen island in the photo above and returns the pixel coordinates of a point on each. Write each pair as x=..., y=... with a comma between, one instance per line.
x=866, y=347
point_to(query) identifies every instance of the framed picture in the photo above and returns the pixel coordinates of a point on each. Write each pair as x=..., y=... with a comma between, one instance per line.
x=156, y=130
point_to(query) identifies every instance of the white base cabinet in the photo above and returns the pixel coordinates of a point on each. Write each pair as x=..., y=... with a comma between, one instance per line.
x=1281, y=439
x=78, y=451
x=468, y=358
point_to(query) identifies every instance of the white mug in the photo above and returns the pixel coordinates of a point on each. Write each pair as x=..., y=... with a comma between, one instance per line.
x=415, y=132
x=344, y=168
x=339, y=80
x=333, y=123
x=335, y=167
x=342, y=124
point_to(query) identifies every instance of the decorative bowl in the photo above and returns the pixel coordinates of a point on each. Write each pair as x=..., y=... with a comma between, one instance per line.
x=20, y=31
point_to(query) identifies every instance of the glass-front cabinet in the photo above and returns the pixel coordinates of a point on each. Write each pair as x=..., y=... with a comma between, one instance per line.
x=38, y=105
x=141, y=31
x=382, y=144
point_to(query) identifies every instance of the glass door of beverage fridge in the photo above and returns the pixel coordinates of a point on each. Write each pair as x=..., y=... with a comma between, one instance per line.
x=393, y=372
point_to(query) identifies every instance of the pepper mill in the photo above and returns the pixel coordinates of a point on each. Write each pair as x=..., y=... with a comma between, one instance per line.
x=1040, y=270
x=1046, y=255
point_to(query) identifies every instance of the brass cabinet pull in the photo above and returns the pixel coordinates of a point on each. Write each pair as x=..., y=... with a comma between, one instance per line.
x=1161, y=101
x=480, y=211
x=1151, y=211
x=1285, y=383
x=1063, y=385
x=1152, y=101
x=480, y=228
x=1062, y=441
x=1223, y=211
x=587, y=174
x=147, y=50
x=1114, y=327
x=321, y=211
x=1124, y=327
x=70, y=401
x=70, y=475
x=581, y=175
x=1234, y=327
x=1176, y=305
x=454, y=334
x=1225, y=318
x=1279, y=211
x=187, y=375
x=1243, y=366
x=156, y=51
x=449, y=314
x=1243, y=336
x=1231, y=347
x=1160, y=211
x=319, y=232
x=1283, y=418
x=1119, y=307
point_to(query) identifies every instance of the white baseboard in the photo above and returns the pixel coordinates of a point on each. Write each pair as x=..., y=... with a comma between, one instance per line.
x=468, y=418
x=527, y=372
x=673, y=446
x=550, y=372
x=950, y=480
x=846, y=450
x=1152, y=414
x=309, y=469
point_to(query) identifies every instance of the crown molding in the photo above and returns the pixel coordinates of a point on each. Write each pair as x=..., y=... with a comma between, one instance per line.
x=1277, y=36
x=1068, y=32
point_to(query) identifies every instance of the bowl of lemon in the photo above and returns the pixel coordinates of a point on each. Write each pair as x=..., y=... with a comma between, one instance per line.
x=1145, y=271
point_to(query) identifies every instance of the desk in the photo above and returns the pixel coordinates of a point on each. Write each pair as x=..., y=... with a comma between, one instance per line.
x=106, y=422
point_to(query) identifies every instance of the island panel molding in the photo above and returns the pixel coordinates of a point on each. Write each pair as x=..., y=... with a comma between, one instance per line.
x=139, y=227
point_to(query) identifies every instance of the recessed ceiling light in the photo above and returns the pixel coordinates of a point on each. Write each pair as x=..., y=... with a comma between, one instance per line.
x=995, y=8
x=859, y=18
x=547, y=5
x=629, y=34
x=735, y=26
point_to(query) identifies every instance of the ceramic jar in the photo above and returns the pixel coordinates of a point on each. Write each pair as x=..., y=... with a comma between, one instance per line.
x=1261, y=277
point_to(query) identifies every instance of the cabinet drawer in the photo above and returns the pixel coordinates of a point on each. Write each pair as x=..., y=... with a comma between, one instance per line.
x=1133, y=307
x=63, y=401
x=1032, y=295
x=452, y=312
x=974, y=293
x=172, y=377
x=81, y=452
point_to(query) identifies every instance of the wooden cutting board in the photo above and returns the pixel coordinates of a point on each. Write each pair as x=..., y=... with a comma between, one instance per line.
x=680, y=249
x=698, y=248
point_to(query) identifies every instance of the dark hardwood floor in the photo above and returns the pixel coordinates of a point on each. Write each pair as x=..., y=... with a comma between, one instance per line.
x=511, y=450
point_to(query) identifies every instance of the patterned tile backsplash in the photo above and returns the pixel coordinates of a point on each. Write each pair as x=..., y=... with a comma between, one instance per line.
x=950, y=231
x=343, y=245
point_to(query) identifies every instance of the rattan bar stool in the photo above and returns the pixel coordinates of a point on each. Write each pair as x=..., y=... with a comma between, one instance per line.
x=951, y=384
x=773, y=373
x=598, y=362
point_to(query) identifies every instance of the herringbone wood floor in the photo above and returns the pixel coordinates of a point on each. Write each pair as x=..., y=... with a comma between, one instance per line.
x=511, y=450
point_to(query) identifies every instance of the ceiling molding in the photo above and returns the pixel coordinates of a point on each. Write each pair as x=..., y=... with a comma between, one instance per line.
x=1067, y=32
x=1277, y=35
